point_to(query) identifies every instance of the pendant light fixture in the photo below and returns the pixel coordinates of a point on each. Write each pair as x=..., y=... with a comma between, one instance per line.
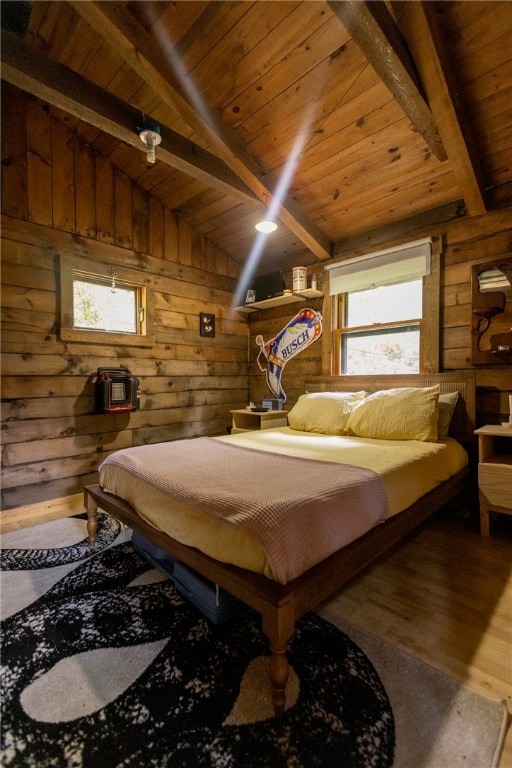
x=149, y=134
x=267, y=225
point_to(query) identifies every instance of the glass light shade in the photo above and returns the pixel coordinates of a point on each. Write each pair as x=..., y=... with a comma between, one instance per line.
x=266, y=226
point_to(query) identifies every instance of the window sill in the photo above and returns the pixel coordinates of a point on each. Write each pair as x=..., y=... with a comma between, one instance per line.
x=106, y=338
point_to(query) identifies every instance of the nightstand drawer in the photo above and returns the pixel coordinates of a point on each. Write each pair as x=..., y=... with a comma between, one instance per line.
x=494, y=472
x=495, y=482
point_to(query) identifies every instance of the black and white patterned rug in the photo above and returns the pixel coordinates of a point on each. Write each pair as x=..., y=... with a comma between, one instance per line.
x=105, y=664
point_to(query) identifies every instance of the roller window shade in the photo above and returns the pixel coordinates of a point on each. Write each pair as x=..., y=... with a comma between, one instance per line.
x=394, y=265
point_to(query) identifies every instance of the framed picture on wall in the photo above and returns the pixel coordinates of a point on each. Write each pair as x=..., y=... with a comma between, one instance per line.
x=207, y=324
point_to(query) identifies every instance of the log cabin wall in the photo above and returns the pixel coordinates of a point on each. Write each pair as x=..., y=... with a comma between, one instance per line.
x=61, y=197
x=465, y=242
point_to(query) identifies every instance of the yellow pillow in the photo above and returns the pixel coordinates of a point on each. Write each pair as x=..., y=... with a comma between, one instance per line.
x=406, y=413
x=324, y=412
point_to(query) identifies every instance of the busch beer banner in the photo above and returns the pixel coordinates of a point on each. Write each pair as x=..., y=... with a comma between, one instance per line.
x=299, y=333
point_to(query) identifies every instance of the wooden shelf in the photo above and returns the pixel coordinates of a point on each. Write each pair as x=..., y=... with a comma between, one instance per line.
x=244, y=420
x=309, y=293
x=286, y=298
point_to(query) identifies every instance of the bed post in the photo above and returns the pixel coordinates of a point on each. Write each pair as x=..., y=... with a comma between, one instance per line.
x=91, y=506
x=279, y=625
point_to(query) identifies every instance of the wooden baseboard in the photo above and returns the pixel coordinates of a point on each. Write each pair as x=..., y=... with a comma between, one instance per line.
x=40, y=512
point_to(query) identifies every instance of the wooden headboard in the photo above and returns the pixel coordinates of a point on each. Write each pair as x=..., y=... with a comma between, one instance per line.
x=463, y=423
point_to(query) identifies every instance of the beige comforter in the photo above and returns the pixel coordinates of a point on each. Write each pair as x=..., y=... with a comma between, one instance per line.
x=300, y=511
x=408, y=470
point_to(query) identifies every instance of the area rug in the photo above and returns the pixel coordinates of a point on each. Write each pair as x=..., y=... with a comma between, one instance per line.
x=105, y=664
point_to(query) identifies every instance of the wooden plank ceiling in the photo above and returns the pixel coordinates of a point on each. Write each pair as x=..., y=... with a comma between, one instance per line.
x=348, y=117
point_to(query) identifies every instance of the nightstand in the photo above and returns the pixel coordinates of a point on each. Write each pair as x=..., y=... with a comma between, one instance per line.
x=244, y=420
x=494, y=472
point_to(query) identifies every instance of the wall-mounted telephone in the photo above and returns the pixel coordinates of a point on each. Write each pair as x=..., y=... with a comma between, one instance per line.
x=116, y=391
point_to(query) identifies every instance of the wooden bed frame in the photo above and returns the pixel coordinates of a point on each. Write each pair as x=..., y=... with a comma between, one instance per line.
x=282, y=605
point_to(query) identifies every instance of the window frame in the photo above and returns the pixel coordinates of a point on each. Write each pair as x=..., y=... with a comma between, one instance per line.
x=369, y=331
x=72, y=267
x=429, y=323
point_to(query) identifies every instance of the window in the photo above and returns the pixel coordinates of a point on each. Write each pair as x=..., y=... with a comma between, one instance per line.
x=104, y=304
x=380, y=321
x=381, y=329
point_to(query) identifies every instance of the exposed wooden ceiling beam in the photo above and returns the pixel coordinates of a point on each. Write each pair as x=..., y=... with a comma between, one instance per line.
x=419, y=223
x=34, y=73
x=374, y=30
x=423, y=37
x=143, y=53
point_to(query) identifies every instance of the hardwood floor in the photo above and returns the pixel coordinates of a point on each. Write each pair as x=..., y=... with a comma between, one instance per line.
x=42, y=512
x=444, y=596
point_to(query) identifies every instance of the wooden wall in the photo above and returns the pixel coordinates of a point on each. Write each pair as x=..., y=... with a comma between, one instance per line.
x=466, y=242
x=60, y=197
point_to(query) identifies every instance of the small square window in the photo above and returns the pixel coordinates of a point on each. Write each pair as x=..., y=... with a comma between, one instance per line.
x=104, y=305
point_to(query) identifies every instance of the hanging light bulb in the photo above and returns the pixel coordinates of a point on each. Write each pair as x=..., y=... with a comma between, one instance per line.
x=267, y=225
x=113, y=274
x=149, y=134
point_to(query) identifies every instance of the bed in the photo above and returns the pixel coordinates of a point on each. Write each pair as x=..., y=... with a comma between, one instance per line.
x=399, y=442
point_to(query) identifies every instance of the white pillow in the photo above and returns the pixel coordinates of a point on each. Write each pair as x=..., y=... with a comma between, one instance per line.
x=324, y=412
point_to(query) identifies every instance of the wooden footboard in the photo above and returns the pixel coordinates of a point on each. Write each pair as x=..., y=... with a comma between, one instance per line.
x=280, y=605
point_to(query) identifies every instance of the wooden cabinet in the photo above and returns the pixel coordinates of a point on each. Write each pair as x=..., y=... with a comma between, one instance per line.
x=244, y=420
x=494, y=472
